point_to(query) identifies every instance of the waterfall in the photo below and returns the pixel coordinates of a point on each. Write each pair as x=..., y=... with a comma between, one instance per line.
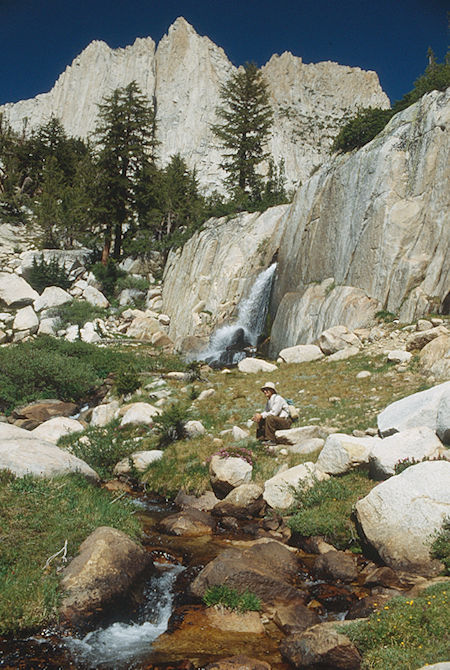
x=230, y=344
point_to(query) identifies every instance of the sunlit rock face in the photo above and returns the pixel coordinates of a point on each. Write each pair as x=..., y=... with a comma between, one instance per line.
x=375, y=220
x=183, y=76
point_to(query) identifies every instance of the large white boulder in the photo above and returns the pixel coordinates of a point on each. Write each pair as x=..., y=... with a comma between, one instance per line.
x=52, y=296
x=419, y=409
x=228, y=473
x=278, y=490
x=53, y=429
x=95, y=297
x=48, y=326
x=401, y=516
x=15, y=291
x=337, y=338
x=103, y=414
x=140, y=413
x=89, y=334
x=143, y=327
x=26, y=319
x=39, y=458
x=443, y=419
x=301, y=353
x=342, y=453
x=300, y=434
x=413, y=443
x=254, y=365
x=140, y=461
x=435, y=358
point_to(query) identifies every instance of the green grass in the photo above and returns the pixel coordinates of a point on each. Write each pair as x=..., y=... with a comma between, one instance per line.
x=407, y=633
x=36, y=517
x=325, y=509
x=441, y=545
x=231, y=599
x=102, y=447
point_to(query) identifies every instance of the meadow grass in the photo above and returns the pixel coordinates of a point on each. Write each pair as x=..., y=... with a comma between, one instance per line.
x=37, y=517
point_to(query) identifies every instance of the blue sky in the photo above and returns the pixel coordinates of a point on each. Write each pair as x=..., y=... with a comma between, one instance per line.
x=39, y=38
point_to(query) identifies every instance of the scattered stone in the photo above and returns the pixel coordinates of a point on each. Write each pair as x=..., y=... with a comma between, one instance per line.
x=342, y=453
x=434, y=358
x=15, y=291
x=207, y=393
x=414, y=443
x=301, y=353
x=300, y=435
x=26, y=319
x=140, y=461
x=48, y=326
x=194, y=429
x=53, y=429
x=190, y=522
x=205, y=502
x=336, y=565
x=238, y=663
x=366, y=606
x=52, y=296
x=139, y=413
x=95, y=297
x=254, y=365
x=106, y=567
x=228, y=473
x=30, y=416
x=364, y=374
x=321, y=646
x=399, y=356
x=336, y=338
x=89, y=334
x=242, y=502
x=343, y=354
x=34, y=456
x=420, y=339
x=239, y=433
x=129, y=296
x=103, y=414
x=239, y=622
x=278, y=490
x=293, y=616
x=419, y=409
x=424, y=324
x=400, y=516
x=306, y=447
x=72, y=333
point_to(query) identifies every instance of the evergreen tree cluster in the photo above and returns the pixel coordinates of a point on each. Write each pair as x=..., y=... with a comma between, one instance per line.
x=368, y=122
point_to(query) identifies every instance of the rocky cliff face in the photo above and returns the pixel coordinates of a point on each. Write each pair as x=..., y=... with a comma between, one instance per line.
x=368, y=231
x=182, y=76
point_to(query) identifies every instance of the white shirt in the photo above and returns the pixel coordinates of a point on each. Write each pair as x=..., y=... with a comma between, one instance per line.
x=276, y=406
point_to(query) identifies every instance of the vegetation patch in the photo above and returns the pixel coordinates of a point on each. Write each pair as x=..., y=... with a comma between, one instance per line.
x=47, y=273
x=229, y=598
x=37, y=517
x=171, y=423
x=326, y=509
x=440, y=548
x=101, y=447
x=77, y=312
x=406, y=633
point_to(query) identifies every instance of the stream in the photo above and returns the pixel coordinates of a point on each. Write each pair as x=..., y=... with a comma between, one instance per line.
x=126, y=641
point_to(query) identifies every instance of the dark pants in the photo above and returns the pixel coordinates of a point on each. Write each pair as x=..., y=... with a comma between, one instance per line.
x=266, y=428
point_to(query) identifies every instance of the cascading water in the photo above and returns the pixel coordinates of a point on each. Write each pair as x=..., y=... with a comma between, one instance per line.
x=229, y=344
x=119, y=644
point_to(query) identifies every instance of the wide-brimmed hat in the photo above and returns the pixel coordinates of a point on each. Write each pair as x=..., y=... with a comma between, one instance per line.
x=268, y=385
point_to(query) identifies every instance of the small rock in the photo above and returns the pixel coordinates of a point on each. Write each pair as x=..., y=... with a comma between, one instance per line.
x=254, y=365
x=194, y=428
x=399, y=356
x=364, y=374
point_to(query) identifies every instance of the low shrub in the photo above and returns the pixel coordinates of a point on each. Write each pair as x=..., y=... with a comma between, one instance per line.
x=77, y=312
x=47, y=273
x=406, y=463
x=234, y=451
x=231, y=599
x=406, y=633
x=170, y=425
x=108, y=275
x=440, y=548
x=101, y=447
x=38, y=516
x=130, y=281
x=326, y=509
x=126, y=381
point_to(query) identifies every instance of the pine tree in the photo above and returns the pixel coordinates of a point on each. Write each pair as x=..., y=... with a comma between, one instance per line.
x=125, y=135
x=246, y=120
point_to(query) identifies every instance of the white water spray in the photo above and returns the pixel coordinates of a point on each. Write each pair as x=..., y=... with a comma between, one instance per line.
x=119, y=644
x=249, y=323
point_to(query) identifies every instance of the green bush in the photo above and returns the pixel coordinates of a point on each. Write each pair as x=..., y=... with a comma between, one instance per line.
x=101, y=447
x=230, y=598
x=77, y=312
x=108, y=275
x=128, y=281
x=38, y=516
x=326, y=508
x=171, y=423
x=406, y=633
x=126, y=381
x=440, y=548
x=361, y=129
x=47, y=273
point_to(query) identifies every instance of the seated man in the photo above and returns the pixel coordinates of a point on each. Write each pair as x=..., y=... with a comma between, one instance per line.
x=276, y=415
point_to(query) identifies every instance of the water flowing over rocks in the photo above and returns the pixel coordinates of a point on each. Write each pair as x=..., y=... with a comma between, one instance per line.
x=107, y=565
x=412, y=507
x=183, y=75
